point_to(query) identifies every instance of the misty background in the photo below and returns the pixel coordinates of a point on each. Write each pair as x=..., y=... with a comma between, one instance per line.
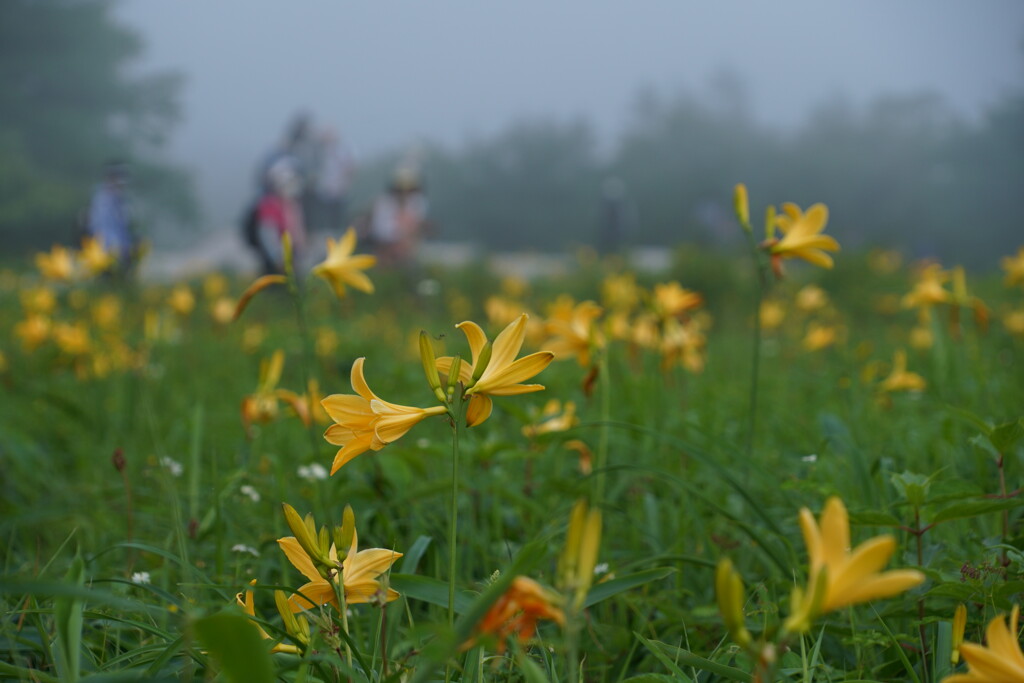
x=906, y=118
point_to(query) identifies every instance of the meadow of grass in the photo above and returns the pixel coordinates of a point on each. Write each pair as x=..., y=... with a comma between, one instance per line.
x=141, y=491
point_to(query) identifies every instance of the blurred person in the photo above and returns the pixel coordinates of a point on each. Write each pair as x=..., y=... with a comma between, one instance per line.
x=398, y=219
x=333, y=180
x=617, y=216
x=279, y=213
x=109, y=216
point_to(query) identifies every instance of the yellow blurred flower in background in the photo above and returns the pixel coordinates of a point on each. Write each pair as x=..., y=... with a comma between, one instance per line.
x=72, y=339
x=553, y=418
x=900, y=379
x=670, y=299
x=1014, y=267
x=801, y=236
x=342, y=268
x=576, y=336
x=94, y=258
x=57, y=264
x=928, y=288
x=181, y=300
x=1014, y=322
x=811, y=298
x=772, y=314
x=39, y=300
x=819, y=337
x=223, y=310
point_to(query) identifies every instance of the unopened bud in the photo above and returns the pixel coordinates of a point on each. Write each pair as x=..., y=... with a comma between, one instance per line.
x=741, y=206
x=429, y=361
x=730, y=593
x=482, y=362
x=289, y=255
x=453, y=376
x=305, y=534
x=769, y=223
x=344, y=534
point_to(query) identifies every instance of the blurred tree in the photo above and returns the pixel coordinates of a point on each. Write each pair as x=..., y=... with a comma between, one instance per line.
x=69, y=104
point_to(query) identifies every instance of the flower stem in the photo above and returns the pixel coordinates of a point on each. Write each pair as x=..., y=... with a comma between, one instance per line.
x=455, y=412
x=296, y=290
x=755, y=365
x=606, y=411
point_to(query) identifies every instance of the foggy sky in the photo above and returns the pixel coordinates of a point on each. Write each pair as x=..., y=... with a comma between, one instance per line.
x=389, y=73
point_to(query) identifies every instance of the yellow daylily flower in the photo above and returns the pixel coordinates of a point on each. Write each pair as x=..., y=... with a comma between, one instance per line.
x=553, y=418
x=94, y=257
x=900, y=379
x=498, y=375
x=33, y=331
x=928, y=290
x=56, y=264
x=620, y=292
x=577, y=335
x=1014, y=267
x=819, y=337
x=39, y=300
x=772, y=314
x=1000, y=662
x=1013, y=321
x=670, y=299
x=365, y=422
x=517, y=613
x=839, y=578
x=261, y=406
x=359, y=571
x=181, y=300
x=72, y=339
x=801, y=236
x=811, y=298
x=341, y=268
x=684, y=342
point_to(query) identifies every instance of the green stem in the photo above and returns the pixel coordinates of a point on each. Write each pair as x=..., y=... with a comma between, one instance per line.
x=755, y=366
x=455, y=413
x=572, y=657
x=606, y=411
x=296, y=290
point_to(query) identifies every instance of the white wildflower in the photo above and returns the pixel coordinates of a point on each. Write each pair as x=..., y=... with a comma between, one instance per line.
x=242, y=548
x=172, y=466
x=140, y=577
x=312, y=472
x=251, y=493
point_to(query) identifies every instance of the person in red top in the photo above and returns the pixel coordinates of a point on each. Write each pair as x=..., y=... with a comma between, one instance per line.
x=278, y=213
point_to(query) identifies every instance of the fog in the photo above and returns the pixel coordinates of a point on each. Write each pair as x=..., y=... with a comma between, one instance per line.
x=390, y=74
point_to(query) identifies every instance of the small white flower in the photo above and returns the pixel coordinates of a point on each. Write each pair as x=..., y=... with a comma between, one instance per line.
x=251, y=493
x=242, y=548
x=428, y=287
x=813, y=457
x=601, y=568
x=140, y=577
x=423, y=442
x=312, y=472
x=172, y=466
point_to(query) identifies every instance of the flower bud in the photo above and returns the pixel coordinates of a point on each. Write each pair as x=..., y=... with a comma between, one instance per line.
x=453, y=376
x=730, y=593
x=741, y=206
x=344, y=534
x=429, y=361
x=959, y=624
x=482, y=362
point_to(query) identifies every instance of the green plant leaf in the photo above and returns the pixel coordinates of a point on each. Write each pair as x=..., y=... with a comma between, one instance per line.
x=976, y=508
x=1005, y=436
x=430, y=590
x=67, y=610
x=607, y=589
x=236, y=646
x=654, y=648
